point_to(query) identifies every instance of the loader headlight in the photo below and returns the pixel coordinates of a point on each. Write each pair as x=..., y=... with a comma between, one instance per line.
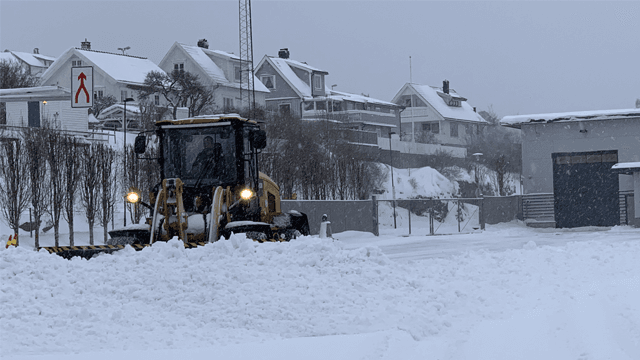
x=133, y=197
x=246, y=194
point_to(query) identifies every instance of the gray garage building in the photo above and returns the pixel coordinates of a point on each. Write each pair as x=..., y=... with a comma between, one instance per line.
x=578, y=168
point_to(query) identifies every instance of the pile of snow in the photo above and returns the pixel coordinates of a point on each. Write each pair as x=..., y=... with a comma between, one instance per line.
x=335, y=299
x=421, y=182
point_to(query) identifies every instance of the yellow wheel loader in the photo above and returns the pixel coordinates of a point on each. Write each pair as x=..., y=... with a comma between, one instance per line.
x=210, y=188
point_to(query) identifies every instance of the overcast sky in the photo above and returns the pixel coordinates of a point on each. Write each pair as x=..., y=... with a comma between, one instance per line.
x=518, y=57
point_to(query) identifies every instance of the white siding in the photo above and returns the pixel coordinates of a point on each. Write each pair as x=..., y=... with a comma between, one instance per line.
x=17, y=114
x=58, y=113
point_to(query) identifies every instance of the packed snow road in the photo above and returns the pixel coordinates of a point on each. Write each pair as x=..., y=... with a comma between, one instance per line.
x=498, y=294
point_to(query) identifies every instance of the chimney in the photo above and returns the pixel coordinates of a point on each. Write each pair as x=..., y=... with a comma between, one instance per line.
x=283, y=53
x=203, y=43
x=85, y=45
x=474, y=109
x=36, y=51
x=445, y=86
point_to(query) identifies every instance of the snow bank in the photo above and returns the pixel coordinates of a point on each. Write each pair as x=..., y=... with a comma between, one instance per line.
x=239, y=291
x=411, y=183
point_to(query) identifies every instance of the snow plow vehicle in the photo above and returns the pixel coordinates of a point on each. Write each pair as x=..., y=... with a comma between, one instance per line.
x=210, y=188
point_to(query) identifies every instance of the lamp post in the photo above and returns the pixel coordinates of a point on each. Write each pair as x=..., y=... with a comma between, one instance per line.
x=477, y=175
x=123, y=49
x=124, y=127
x=393, y=186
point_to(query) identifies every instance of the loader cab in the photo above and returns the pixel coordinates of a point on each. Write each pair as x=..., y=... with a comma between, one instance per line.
x=209, y=152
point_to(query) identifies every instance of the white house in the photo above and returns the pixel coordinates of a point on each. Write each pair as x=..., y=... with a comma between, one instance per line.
x=437, y=115
x=216, y=69
x=118, y=75
x=32, y=63
x=300, y=89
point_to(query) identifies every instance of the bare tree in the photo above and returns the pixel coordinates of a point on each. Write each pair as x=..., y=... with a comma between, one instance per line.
x=316, y=160
x=107, y=188
x=37, y=174
x=179, y=89
x=89, y=185
x=71, y=176
x=14, y=180
x=102, y=103
x=53, y=154
x=13, y=76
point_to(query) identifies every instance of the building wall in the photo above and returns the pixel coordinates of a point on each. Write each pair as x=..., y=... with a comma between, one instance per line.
x=59, y=114
x=357, y=215
x=543, y=139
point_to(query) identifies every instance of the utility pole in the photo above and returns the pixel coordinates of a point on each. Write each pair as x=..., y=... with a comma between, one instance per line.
x=247, y=88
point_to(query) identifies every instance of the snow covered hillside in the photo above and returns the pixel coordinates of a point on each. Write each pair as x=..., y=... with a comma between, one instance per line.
x=315, y=298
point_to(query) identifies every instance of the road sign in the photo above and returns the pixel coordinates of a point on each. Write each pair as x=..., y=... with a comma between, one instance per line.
x=82, y=87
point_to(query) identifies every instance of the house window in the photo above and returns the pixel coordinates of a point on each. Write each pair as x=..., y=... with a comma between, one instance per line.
x=178, y=67
x=407, y=102
x=317, y=81
x=237, y=73
x=285, y=108
x=321, y=105
x=98, y=94
x=228, y=103
x=309, y=105
x=156, y=100
x=336, y=105
x=269, y=81
x=76, y=63
x=453, y=130
x=431, y=127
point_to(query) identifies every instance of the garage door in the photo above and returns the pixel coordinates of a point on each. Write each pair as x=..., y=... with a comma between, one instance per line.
x=585, y=189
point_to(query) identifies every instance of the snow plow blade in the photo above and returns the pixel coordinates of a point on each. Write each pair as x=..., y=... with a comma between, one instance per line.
x=88, y=251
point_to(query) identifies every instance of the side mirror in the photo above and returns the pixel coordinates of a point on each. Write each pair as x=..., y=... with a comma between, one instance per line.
x=140, y=145
x=258, y=139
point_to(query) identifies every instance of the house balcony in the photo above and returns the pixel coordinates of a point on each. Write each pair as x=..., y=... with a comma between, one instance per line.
x=353, y=116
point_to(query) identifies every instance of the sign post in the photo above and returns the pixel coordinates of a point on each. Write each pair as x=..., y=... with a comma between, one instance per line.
x=82, y=87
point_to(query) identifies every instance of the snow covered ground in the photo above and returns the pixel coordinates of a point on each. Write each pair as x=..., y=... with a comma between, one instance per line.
x=510, y=292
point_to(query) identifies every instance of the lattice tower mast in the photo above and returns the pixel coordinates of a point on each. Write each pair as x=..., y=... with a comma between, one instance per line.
x=247, y=89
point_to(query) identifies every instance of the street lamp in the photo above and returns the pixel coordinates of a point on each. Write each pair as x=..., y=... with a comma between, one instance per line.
x=393, y=186
x=477, y=175
x=124, y=49
x=124, y=127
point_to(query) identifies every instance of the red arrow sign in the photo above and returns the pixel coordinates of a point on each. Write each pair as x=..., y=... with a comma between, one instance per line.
x=82, y=77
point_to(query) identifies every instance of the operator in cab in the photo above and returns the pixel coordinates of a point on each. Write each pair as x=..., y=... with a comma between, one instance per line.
x=208, y=163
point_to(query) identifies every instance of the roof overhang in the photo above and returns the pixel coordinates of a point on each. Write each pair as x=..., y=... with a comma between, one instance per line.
x=39, y=93
x=516, y=121
x=627, y=168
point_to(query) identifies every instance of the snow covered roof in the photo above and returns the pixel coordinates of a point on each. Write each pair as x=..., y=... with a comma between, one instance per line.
x=28, y=58
x=92, y=119
x=8, y=56
x=290, y=77
x=432, y=96
x=122, y=68
x=133, y=109
x=302, y=65
x=49, y=93
x=626, y=167
x=517, y=120
x=204, y=59
x=339, y=95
